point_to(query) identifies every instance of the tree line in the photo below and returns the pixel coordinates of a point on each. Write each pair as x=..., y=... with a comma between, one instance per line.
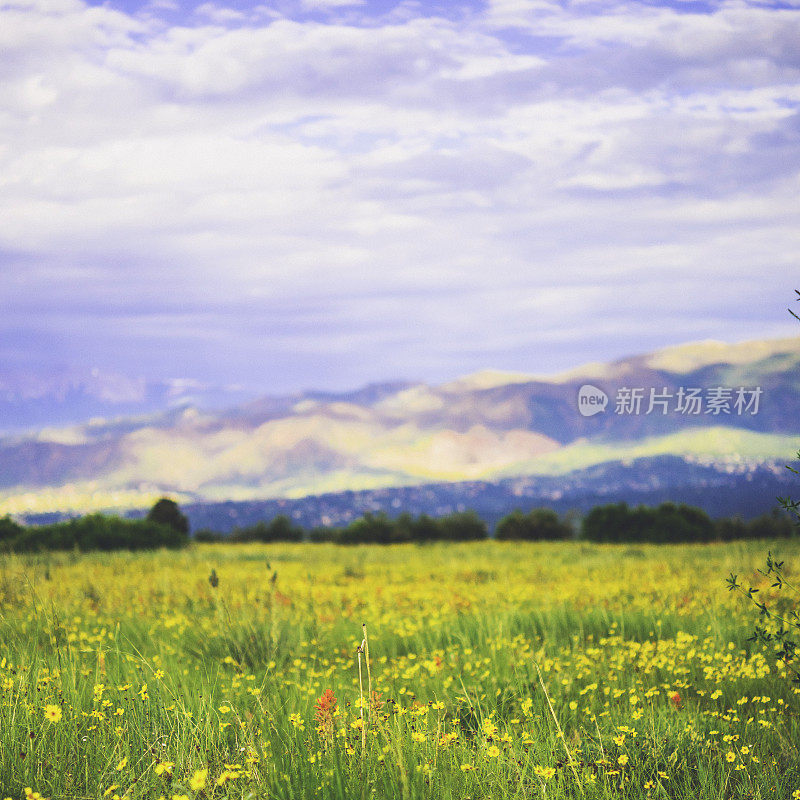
x=166, y=526
x=615, y=522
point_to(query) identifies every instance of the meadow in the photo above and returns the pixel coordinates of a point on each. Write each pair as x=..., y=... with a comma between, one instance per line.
x=492, y=670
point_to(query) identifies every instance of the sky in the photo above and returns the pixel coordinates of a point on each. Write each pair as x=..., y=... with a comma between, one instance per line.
x=322, y=193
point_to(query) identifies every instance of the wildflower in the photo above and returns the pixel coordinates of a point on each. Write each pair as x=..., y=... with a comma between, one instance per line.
x=675, y=698
x=493, y=751
x=52, y=713
x=122, y=764
x=376, y=703
x=224, y=709
x=544, y=772
x=297, y=721
x=325, y=711
x=165, y=766
x=418, y=737
x=730, y=756
x=198, y=780
x=467, y=767
x=526, y=706
x=227, y=775
x=622, y=760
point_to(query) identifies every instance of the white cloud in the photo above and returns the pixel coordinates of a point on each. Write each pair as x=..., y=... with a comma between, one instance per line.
x=322, y=4
x=429, y=183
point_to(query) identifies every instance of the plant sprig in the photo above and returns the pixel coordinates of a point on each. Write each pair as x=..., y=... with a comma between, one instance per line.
x=784, y=636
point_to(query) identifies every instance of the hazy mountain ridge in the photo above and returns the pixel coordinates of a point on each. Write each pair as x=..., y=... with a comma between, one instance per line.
x=744, y=490
x=485, y=427
x=30, y=401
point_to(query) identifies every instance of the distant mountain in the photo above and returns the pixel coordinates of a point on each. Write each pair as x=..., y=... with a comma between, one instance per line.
x=726, y=404
x=30, y=401
x=744, y=490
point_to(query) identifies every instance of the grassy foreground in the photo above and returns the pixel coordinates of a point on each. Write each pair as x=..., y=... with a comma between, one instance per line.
x=497, y=670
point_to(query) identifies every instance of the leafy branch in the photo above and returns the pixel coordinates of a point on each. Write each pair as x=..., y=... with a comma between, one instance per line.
x=784, y=638
x=797, y=292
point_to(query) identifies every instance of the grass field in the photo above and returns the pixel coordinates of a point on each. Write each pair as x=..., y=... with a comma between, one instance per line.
x=497, y=670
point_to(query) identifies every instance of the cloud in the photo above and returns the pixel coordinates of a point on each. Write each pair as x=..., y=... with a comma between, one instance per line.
x=390, y=189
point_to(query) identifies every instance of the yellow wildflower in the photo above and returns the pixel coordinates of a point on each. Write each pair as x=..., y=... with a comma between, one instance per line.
x=198, y=780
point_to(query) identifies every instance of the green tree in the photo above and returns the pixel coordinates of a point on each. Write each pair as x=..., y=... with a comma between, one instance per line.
x=536, y=525
x=369, y=529
x=10, y=532
x=462, y=526
x=166, y=512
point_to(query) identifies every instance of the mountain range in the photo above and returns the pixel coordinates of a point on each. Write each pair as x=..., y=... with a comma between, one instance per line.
x=706, y=402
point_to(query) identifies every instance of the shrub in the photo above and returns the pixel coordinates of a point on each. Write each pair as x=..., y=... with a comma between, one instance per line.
x=9, y=531
x=729, y=529
x=98, y=532
x=324, y=533
x=166, y=512
x=371, y=528
x=536, y=525
x=278, y=529
x=207, y=535
x=462, y=526
x=771, y=526
x=666, y=523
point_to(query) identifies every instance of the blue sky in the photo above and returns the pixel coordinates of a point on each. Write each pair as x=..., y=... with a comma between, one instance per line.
x=319, y=194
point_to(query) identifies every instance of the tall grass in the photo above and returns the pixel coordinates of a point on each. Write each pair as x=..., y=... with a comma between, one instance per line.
x=495, y=670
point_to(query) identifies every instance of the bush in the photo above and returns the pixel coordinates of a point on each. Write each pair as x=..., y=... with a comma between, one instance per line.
x=771, y=526
x=323, y=533
x=369, y=529
x=536, y=525
x=9, y=531
x=421, y=529
x=279, y=529
x=665, y=523
x=207, y=536
x=166, y=512
x=730, y=529
x=678, y=523
x=98, y=532
x=463, y=526
x=608, y=523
